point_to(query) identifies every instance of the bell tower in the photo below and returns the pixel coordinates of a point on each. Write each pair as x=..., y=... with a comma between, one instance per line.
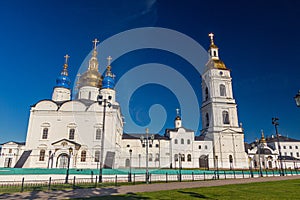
x=219, y=113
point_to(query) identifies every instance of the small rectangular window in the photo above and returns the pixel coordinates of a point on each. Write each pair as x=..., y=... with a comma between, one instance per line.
x=98, y=134
x=71, y=134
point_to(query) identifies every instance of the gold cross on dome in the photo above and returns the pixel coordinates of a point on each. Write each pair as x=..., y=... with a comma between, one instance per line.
x=95, y=41
x=211, y=35
x=109, y=58
x=66, y=58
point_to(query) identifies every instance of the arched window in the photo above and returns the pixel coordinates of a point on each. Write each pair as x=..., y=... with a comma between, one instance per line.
x=97, y=156
x=182, y=141
x=222, y=90
x=42, y=155
x=225, y=117
x=157, y=157
x=189, y=157
x=207, y=120
x=83, y=156
x=206, y=94
x=230, y=159
x=71, y=134
x=176, y=157
x=45, y=133
x=182, y=157
x=175, y=141
x=150, y=157
x=98, y=134
x=188, y=141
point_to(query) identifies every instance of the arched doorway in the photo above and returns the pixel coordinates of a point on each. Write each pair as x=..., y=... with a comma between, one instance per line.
x=203, y=162
x=62, y=161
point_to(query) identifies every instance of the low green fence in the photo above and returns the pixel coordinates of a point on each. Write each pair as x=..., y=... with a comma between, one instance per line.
x=40, y=171
x=118, y=176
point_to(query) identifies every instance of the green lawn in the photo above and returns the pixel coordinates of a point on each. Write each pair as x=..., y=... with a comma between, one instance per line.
x=289, y=189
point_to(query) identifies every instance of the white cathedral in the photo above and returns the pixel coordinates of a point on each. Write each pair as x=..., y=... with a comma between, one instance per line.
x=87, y=132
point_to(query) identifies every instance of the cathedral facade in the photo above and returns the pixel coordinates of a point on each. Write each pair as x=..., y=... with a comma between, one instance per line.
x=87, y=132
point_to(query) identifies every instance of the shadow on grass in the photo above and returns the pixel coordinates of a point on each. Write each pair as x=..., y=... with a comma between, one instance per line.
x=128, y=196
x=195, y=195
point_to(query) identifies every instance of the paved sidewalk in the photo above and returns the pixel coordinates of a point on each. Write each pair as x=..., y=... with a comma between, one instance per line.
x=93, y=192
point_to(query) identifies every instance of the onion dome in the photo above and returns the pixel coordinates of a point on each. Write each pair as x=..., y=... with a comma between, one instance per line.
x=63, y=79
x=108, y=80
x=177, y=118
x=91, y=77
x=214, y=61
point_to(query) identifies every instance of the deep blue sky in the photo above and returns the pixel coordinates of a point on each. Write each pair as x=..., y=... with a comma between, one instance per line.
x=258, y=41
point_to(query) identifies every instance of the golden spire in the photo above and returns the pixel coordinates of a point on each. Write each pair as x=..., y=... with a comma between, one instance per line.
x=262, y=140
x=93, y=63
x=91, y=77
x=214, y=61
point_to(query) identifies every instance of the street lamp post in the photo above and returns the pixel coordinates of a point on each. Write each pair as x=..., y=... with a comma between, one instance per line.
x=130, y=156
x=180, y=166
x=146, y=142
x=250, y=167
x=105, y=102
x=217, y=165
x=259, y=149
x=297, y=98
x=69, y=158
x=276, y=123
x=49, y=158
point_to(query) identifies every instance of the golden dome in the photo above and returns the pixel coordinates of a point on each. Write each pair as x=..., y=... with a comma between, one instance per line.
x=177, y=118
x=90, y=78
x=217, y=64
x=213, y=46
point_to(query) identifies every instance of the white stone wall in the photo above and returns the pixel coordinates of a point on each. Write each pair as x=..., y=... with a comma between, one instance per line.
x=10, y=153
x=61, y=94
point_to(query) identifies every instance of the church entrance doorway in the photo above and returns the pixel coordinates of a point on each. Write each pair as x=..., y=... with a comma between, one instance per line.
x=203, y=162
x=62, y=161
x=8, y=162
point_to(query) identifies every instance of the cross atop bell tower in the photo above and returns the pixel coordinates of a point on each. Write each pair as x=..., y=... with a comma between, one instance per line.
x=213, y=49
